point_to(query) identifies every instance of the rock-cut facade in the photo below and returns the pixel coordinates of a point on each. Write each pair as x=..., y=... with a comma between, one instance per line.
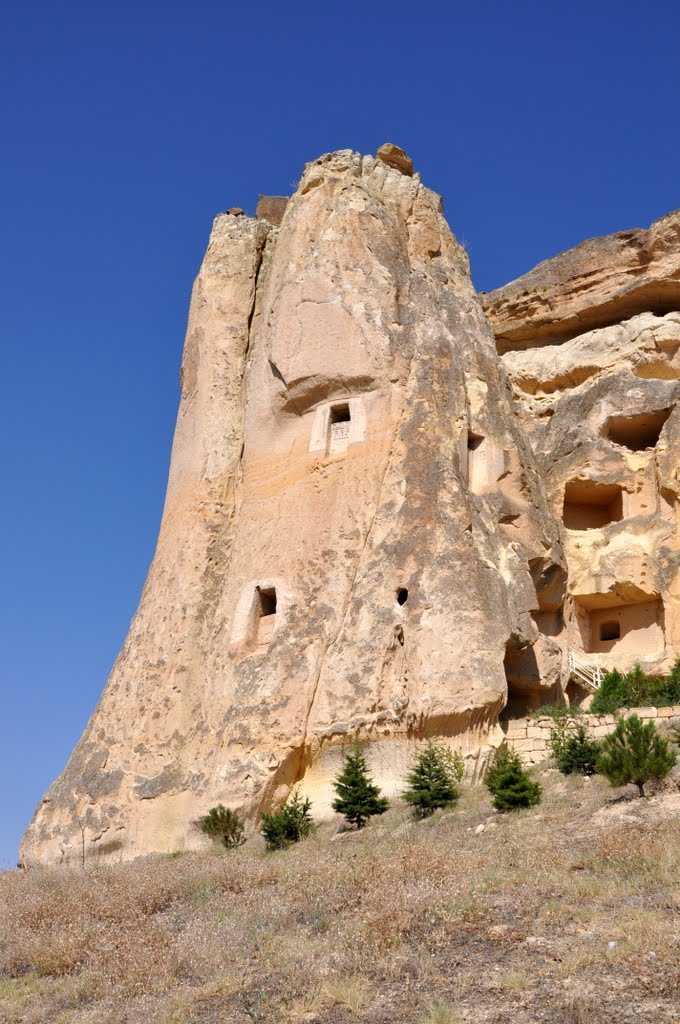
x=396, y=509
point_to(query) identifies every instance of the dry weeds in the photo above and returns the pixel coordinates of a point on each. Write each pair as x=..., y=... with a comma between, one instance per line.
x=541, y=917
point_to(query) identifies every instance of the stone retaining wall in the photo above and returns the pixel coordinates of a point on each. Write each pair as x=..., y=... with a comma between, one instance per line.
x=529, y=736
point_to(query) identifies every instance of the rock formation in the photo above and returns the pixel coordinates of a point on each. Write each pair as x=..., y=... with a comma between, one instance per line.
x=363, y=531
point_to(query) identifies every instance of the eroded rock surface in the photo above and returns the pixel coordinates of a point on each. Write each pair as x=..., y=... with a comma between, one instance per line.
x=600, y=410
x=598, y=283
x=356, y=539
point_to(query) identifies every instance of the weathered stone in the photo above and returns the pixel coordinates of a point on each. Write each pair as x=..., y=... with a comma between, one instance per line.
x=600, y=406
x=272, y=209
x=335, y=558
x=600, y=282
x=394, y=156
x=365, y=527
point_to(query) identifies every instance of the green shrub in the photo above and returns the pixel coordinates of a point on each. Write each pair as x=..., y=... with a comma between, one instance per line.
x=611, y=695
x=224, y=824
x=432, y=782
x=636, y=689
x=635, y=752
x=358, y=796
x=510, y=785
x=288, y=825
x=576, y=754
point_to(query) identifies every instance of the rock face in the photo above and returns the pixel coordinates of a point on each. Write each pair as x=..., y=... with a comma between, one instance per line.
x=600, y=409
x=599, y=283
x=363, y=531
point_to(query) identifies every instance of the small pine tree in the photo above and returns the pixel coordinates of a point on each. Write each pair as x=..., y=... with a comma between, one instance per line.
x=611, y=694
x=635, y=752
x=222, y=823
x=576, y=754
x=510, y=785
x=358, y=796
x=432, y=782
x=289, y=824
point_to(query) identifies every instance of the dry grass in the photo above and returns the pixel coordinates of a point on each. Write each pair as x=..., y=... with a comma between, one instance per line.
x=424, y=922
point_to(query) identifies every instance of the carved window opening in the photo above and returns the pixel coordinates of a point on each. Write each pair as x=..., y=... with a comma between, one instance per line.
x=476, y=461
x=610, y=631
x=265, y=614
x=402, y=596
x=339, y=421
x=589, y=505
x=637, y=433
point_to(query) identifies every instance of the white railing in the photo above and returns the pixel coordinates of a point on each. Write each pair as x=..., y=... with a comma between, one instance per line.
x=584, y=669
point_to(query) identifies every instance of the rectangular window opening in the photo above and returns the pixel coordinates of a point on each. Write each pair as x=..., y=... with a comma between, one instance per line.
x=267, y=602
x=610, y=631
x=589, y=505
x=339, y=423
x=265, y=615
x=340, y=413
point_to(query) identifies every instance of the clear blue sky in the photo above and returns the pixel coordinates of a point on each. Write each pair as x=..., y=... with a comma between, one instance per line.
x=127, y=126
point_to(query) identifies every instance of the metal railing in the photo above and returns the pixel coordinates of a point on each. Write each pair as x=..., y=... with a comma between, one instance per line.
x=584, y=669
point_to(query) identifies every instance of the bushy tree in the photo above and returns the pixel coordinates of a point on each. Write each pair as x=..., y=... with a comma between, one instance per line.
x=222, y=823
x=635, y=752
x=611, y=694
x=432, y=782
x=289, y=824
x=510, y=785
x=576, y=754
x=358, y=796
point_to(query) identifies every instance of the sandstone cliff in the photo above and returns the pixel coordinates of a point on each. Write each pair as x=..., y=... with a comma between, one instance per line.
x=355, y=538
x=366, y=523
x=591, y=343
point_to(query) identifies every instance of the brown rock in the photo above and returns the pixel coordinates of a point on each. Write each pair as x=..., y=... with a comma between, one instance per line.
x=394, y=156
x=272, y=209
x=236, y=211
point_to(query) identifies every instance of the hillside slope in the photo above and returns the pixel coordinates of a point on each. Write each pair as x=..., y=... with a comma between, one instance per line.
x=567, y=912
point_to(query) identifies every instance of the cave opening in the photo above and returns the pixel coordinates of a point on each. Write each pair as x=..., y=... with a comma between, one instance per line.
x=637, y=432
x=589, y=505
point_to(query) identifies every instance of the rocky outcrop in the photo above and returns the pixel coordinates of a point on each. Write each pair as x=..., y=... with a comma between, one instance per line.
x=600, y=410
x=598, y=283
x=356, y=539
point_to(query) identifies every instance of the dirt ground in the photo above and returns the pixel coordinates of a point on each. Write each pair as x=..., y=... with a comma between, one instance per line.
x=568, y=912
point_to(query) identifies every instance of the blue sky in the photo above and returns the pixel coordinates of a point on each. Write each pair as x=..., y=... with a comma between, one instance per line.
x=126, y=127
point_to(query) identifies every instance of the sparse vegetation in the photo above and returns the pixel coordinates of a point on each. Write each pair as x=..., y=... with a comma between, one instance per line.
x=358, y=796
x=433, y=780
x=635, y=753
x=511, y=786
x=289, y=824
x=558, y=712
x=574, y=752
x=224, y=824
x=396, y=923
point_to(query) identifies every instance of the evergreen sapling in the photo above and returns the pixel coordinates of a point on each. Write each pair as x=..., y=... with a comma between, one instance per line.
x=358, y=796
x=510, y=785
x=432, y=782
x=222, y=823
x=635, y=752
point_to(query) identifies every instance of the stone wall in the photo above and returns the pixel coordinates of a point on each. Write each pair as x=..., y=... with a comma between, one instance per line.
x=530, y=736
